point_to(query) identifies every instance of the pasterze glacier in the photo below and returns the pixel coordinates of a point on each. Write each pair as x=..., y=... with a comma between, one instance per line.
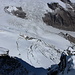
x=37, y=37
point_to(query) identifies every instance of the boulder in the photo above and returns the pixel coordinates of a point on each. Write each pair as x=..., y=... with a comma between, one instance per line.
x=16, y=11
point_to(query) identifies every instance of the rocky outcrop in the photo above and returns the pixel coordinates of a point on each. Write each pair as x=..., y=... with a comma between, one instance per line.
x=57, y=68
x=70, y=50
x=62, y=18
x=17, y=11
x=65, y=66
x=66, y=1
x=67, y=37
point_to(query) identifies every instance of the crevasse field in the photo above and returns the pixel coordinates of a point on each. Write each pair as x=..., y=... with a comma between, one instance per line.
x=43, y=42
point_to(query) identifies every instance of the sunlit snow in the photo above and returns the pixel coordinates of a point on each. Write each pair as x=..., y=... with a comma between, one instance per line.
x=40, y=51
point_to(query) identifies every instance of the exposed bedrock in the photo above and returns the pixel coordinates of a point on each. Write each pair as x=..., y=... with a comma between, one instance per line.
x=62, y=18
x=16, y=11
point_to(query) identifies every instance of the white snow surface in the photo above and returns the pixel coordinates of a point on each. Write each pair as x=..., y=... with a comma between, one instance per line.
x=11, y=8
x=40, y=50
x=3, y=51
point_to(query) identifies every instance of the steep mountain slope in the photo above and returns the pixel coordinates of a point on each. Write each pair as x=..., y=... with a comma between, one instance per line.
x=30, y=38
x=60, y=17
x=66, y=65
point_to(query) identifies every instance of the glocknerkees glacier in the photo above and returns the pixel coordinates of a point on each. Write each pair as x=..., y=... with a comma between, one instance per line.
x=29, y=38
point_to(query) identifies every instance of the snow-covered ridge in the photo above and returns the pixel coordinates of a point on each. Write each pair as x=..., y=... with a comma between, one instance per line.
x=66, y=65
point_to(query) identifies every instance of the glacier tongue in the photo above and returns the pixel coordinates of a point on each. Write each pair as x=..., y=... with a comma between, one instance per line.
x=30, y=38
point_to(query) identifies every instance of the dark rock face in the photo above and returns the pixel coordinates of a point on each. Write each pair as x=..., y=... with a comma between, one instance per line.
x=57, y=68
x=17, y=11
x=66, y=1
x=52, y=5
x=65, y=66
x=60, y=17
x=11, y=66
x=67, y=37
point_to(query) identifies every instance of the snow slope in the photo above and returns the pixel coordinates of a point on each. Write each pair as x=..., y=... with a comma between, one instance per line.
x=30, y=39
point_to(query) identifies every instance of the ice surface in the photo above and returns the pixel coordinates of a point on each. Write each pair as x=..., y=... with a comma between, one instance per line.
x=41, y=50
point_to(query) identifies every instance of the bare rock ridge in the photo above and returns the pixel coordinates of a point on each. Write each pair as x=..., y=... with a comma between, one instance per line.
x=62, y=18
x=67, y=37
x=16, y=11
x=66, y=1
